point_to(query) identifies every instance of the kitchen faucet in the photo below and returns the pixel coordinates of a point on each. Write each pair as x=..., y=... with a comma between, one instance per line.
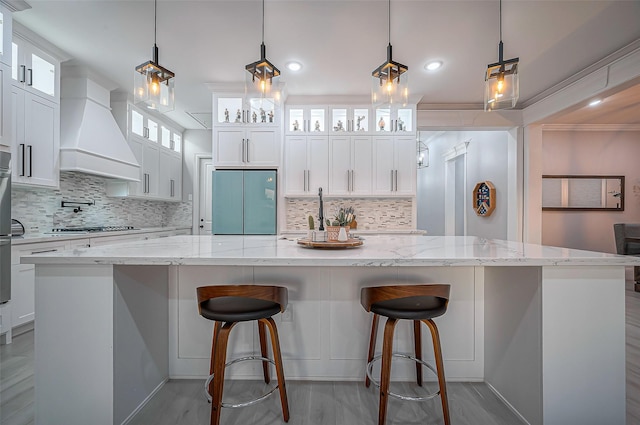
x=321, y=215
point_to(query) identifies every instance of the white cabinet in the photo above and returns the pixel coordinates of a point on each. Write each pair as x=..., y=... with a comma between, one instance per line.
x=396, y=119
x=169, y=185
x=34, y=70
x=35, y=129
x=306, y=164
x=234, y=110
x=6, y=35
x=5, y=106
x=350, y=119
x=350, y=165
x=306, y=120
x=395, y=165
x=246, y=147
x=143, y=126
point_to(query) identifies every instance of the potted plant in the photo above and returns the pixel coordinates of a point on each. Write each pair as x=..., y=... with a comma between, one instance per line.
x=338, y=228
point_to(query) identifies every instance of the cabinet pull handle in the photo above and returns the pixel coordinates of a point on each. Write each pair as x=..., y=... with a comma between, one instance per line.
x=396, y=173
x=172, y=188
x=392, y=180
x=352, y=180
x=243, y=150
x=30, y=149
x=30, y=82
x=23, y=160
x=44, y=250
x=243, y=116
x=304, y=180
x=23, y=73
x=248, y=147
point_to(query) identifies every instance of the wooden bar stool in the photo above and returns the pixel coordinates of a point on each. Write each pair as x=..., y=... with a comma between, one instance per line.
x=228, y=305
x=420, y=303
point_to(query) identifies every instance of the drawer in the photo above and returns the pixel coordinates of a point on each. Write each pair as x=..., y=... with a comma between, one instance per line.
x=36, y=248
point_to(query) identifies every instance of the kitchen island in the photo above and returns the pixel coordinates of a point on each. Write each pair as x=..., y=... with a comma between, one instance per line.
x=544, y=327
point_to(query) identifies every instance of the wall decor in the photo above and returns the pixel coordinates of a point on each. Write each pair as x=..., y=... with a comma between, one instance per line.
x=582, y=193
x=484, y=198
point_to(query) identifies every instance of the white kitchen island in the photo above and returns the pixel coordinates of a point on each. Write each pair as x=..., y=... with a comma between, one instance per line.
x=543, y=326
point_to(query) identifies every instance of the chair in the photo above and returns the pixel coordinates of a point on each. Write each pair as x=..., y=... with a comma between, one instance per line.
x=227, y=305
x=627, y=236
x=419, y=303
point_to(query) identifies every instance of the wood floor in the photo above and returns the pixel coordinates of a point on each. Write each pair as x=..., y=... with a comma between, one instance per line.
x=182, y=401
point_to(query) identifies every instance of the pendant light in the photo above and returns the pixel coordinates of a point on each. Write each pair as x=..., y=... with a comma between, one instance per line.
x=261, y=72
x=153, y=84
x=390, y=80
x=502, y=85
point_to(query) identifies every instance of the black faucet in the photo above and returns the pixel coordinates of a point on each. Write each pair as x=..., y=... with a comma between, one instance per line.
x=321, y=215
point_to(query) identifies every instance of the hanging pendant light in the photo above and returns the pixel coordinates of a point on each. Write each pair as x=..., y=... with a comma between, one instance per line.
x=154, y=84
x=262, y=72
x=502, y=84
x=390, y=84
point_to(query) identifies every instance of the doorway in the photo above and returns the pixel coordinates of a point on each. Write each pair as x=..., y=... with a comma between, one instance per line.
x=202, y=211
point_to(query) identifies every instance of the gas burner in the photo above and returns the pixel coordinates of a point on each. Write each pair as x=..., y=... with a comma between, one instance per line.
x=93, y=229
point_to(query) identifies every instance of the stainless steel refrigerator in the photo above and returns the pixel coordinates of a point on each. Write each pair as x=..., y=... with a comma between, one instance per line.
x=244, y=202
x=5, y=227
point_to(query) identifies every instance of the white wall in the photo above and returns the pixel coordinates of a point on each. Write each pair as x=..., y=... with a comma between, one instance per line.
x=195, y=142
x=487, y=159
x=614, y=152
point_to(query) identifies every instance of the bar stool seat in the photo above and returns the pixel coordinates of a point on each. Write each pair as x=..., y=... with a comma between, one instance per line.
x=419, y=303
x=227, y=305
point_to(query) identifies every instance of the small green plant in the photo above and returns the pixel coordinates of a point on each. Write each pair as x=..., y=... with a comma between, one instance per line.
x=343, y=217
x=311, y=223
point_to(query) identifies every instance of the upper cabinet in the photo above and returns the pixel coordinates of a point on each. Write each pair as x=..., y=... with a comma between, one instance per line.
x=307, y=120
x=395, y=119
x=350, y=119
x=6, y=25
x=34, y=70
x=234, y=110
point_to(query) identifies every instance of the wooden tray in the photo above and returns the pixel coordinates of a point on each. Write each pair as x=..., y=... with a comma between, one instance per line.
x=349, y=243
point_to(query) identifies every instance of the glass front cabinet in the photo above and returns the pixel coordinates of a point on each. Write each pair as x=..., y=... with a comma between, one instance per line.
x=347, y=119
x=306, y=120
x=233, y=110
x=395, y=119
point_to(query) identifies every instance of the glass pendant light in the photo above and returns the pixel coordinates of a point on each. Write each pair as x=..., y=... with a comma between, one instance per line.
x=502, y=84
x=154, y=84
x=261, y=72
x=390, y=83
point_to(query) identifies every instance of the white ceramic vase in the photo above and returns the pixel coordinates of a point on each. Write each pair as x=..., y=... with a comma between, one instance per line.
x=342, y=235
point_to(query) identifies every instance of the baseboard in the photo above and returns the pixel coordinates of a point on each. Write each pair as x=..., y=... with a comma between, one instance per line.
x=144, y=402
x=24, y=328
x=509, y=405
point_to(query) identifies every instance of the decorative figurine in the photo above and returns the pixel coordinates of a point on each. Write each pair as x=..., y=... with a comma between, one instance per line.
x=360, y=118
x=296, y=126
x=263, y=115
x=400, y=124
x=254, y=117
x=317, y=128
x=238, y=116
x=338, y=126
x=226, y=115
x=270, y=116
x=381, y=124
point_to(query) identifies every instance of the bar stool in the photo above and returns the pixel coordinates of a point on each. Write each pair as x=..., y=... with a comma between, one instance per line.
x=227, y=305
x=420, y=303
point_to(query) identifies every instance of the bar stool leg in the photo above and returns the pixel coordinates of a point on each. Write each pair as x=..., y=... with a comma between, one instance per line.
x=222, y=338
x=277, y=357
x=418, y=345
x=435, y=336
x=372, y=346
x=263, y=351
x=216, y=330
x=385, y=374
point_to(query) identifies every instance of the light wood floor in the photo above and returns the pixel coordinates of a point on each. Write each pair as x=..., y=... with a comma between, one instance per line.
x=182, y=402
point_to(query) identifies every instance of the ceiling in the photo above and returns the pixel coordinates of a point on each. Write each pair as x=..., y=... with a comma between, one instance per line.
x=339, y=43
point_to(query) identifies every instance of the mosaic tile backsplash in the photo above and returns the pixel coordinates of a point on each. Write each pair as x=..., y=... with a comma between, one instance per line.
x=39, y=209
x=371, y=213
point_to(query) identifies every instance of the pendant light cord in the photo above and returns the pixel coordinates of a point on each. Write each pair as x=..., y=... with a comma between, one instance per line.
x=155, y=20
x=262, y=21
x=500, y=20
x=389, y=22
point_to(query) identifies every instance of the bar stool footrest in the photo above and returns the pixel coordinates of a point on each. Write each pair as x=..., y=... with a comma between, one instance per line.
x=246, y=403
x=402, y=396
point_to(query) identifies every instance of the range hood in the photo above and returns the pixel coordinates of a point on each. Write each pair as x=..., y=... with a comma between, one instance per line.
x=90, y=140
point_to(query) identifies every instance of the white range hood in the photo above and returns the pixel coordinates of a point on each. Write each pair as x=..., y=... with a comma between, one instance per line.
x=90, y=140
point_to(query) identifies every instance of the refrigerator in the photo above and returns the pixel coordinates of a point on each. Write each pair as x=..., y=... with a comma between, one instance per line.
x=244, y=202
x=5, y=227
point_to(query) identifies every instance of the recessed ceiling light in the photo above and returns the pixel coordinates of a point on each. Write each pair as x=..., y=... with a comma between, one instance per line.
x=432, y=66
x=294, y=66
x=594, y=102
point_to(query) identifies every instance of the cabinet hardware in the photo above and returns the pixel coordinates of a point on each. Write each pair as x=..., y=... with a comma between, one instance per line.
x=173, y=188
x=304, y=180
x=172, y=144
x=248, y=151
x=23, y=73
x=243, y=146
x=396, y=180
x=23, y=160
x=392, y=180
x=30, y=149
x=145, y=132
x=30, y=82
x=44, y=250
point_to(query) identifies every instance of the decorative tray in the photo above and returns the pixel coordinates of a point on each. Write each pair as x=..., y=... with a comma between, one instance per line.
x=349, y=243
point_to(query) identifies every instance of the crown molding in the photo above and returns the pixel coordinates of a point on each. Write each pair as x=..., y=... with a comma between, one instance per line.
x=591, y=127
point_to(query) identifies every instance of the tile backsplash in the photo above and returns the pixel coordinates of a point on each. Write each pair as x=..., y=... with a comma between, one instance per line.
x=371, y=213
x=39, y=209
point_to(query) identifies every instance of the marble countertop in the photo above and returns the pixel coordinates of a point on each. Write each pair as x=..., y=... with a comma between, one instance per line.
x=62, y=236
x=381, y=250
